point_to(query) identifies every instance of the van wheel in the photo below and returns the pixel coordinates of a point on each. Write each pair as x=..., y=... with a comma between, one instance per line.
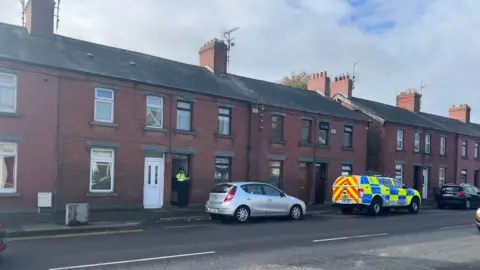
x=414, y=206
x=376, y=207
x=346, y=210
x=242, y=214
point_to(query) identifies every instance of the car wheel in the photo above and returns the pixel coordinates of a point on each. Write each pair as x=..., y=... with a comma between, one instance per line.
x=242, y=214
x=467, y=205
x=414, y=206
x=375, y=207
x=296, y=212
x=346, y=210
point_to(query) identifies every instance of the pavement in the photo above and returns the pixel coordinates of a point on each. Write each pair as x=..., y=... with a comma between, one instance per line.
x=431, y=239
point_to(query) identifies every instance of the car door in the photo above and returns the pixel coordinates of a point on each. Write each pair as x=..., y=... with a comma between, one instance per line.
x=255, y=199
x=477, y=196
x=402, y=192
x=391, y=196
x=277, y=205
x=473, y=192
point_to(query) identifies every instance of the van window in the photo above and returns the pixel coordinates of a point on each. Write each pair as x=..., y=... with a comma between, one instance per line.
x=221, y=188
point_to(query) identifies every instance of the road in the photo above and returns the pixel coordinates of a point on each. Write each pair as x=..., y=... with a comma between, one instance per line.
x=433, y=239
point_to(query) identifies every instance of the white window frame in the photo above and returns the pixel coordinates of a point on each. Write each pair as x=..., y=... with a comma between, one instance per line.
x=112, y=171
x=428, y=141
x=156, y=107
x=443, y=145
x=399, y=168
x=15, y=152
x=347, y=169
x=476, y=150
x=417, y=140
x=400, y=139
x=441, y=176
x=104, y=100
x=15, y=94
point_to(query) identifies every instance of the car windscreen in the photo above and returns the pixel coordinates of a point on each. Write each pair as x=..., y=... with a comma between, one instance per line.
x=221, y=188
x=451, y=189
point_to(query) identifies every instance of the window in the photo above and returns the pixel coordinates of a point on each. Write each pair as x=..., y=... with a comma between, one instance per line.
x=275, y=177
x=475, y=150
x=399, y=172
x=397, y=183
x=428, y=138
x=8, y=92
x=222, y=169
x=443, y=145
x=417, y=142
x=255, y=189
x=154, y=112
x=323, y=129
x=8, y=167
x=399, y=139
x=104, y=105
x=464, y=148
x=271, y=191
x=464, y=175
x=184, y=115
x=277, y=128
x=102, y=166
x=388, y=182
x=346, y=170
x=224, y=120
x=441, y=176
x=347, y=136
x=306, y=132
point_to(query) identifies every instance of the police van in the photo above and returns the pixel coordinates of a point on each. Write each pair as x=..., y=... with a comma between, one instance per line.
x=376, y=194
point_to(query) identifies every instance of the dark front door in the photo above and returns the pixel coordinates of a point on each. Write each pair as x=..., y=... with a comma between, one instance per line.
x=304, y=186
x=180, y=190
x=416, y=178
x=475, y=179
x=320, y=182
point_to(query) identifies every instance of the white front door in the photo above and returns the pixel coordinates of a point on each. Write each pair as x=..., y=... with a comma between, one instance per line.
x=153, y=183
x=425, y=183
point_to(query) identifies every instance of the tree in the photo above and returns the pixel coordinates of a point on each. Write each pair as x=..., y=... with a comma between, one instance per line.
x=296, y=79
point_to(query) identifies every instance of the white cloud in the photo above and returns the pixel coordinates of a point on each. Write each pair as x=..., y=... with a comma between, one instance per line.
x=433, y=41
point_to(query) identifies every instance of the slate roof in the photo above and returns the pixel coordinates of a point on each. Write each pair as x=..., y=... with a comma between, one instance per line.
x=395, y=114
x=76, y=55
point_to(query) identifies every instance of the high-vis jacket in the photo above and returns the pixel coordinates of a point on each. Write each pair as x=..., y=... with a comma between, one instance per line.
x=181, y=177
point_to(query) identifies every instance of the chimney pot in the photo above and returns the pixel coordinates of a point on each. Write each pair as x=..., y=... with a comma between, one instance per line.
x=213, y=54
x=460, y=113
x=410, y=100
x=319, y=82
x=39, y=16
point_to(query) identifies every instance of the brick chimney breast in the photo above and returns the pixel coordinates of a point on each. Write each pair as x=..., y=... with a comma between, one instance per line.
x=342, y=85
x=319, y=82
x=39, y=16
x=410, y=100
x=213, y=55
x=460, y=112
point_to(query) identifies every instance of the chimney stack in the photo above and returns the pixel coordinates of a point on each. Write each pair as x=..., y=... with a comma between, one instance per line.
x=213, y=55
x=319, y=82
x=342, y=85
x=39, y=15
x=410, y=100
x=461, y=113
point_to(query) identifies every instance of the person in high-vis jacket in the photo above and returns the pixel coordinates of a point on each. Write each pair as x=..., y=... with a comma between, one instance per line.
x=183, y=187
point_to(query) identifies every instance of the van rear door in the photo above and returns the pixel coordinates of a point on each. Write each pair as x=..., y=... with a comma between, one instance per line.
x=345, y=190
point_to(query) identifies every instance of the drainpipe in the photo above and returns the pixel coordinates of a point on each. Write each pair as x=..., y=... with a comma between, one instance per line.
x=170, y=130
x=57, y=150
x=455, y=164
x=249, y=141
x=314, y=164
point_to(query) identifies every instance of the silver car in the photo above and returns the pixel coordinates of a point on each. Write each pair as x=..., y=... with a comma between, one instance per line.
x=242, y=200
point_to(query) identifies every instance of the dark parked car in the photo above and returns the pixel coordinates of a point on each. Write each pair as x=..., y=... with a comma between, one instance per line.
x=3, y=243
x=460, y=195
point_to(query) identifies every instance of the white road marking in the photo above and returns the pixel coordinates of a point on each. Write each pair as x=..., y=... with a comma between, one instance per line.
x=458, y=226
x=349, y=237
x=134, y=261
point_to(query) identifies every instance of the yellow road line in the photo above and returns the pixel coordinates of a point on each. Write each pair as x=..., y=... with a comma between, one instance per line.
x=71, y=235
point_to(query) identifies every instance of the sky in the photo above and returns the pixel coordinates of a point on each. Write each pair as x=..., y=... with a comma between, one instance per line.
x=398, y=44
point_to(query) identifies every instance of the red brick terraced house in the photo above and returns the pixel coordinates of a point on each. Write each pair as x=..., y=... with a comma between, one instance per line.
x=87, y=123
x=422, y=149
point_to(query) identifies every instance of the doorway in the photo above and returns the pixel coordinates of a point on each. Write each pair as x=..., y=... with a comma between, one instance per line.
x=180, y=161
x=305, y=180
x=320, y=182
x=416, y=177
x=475, y=179
x=154, y=181
x=425, y=183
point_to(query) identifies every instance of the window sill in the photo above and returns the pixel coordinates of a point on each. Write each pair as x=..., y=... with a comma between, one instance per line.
x=10, y=195
x=155, y=129
x=305, y=144
x=427, y=154
x=400, y=151
x=416, y=152
x=323, y=146
x=185, y=132
x=464, y=157
x=443, y=155
x=223, y=136
x=276, y=142
x=11, y=114
x=102, y=194
x=347, y=148
x=103, y=124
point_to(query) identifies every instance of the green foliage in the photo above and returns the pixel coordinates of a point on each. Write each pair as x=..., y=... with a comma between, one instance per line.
x=296, y=79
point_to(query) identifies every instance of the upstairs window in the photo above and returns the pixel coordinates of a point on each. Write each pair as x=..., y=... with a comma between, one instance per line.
x=154, y=112
x=428, y=139
x=184, y=115
x=464, y=148
x=323, y=129
x=306, y=132
x=277, y=128
x=443, y=145
x=224, y=121
x=348, y=136
x=417, y=142
x=104, y=105
x=8, y=92
x=399, y=140
x=475, y=150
